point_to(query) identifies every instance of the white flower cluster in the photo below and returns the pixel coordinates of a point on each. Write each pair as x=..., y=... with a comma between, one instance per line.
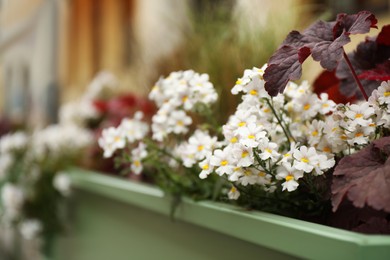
x=9, y=144
x=199, y=146
x=176, y=95
x=271, y=140
x=128, y=132
x=12, y=197
x=79, y=111
x=57, y=140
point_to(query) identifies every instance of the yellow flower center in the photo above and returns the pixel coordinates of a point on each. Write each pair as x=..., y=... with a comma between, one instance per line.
x=306, y=107
x=253, y=92
x=244, y=154
x=180, y=123
x=287, y=155
x=305, y=160
x=234, y=140
x=241, y=124
x=248, y=173
x=358, y=115
x=233, y=190
x=251, y=136
x=184, y=99
x=261, y=174
x=137, y=163
x=224, y=163
x=205, y=167
x=266, y=110
x=359, y=134
x=386, y=94
x=117, y=139
x=200, y=147
x=314, y=133
x=325, y=105
x=268, y=150
x=238, y=82
x=326, y=149
x=289, y=177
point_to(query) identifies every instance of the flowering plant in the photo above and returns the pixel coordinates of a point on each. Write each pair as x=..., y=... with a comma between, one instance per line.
x=286, y=149
x=33, y=182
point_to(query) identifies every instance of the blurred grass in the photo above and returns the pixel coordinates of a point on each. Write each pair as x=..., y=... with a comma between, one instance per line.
x=226, y=38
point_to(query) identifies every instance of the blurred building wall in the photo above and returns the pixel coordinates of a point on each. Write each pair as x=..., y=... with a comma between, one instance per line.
x=51, y=49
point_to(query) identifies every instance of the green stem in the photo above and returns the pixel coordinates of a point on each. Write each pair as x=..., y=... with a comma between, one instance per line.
x=280, y=122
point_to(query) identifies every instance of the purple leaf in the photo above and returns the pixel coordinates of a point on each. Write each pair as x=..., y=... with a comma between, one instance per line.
x=366, y=60
x=329, y=53
x=323, y=40
x=286, y=66
x=359, y=23
x=364, y=177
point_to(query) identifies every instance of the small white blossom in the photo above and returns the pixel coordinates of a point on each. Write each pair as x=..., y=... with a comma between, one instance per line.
x=233, y=193
x=62, y=183
x=30, y=228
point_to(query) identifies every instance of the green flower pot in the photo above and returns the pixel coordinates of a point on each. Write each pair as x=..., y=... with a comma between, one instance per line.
x=119, y=219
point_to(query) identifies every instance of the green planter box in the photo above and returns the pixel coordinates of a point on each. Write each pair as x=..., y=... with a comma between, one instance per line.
x=118, y=219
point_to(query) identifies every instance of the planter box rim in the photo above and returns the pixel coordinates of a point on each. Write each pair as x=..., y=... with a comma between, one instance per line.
x=257, y=227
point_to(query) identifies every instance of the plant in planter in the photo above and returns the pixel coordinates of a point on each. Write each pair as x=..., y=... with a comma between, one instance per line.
x=33, y=183
x=286, y=149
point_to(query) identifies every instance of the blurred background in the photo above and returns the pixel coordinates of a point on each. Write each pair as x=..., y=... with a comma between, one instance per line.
x=51, y=49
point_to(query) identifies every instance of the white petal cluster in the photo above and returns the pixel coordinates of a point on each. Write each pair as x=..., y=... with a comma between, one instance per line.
x=273, y=140
x=80, y=111
x=12, y=200
x=62, y=183
x=30, y=228
x=13, y=141
x=129, y=131
x=176, y=95
x=57, y=140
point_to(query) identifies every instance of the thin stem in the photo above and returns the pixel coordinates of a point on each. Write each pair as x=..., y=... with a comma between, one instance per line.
x=355, y=76
x=279, y=121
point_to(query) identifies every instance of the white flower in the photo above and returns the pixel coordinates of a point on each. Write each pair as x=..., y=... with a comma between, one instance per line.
x=241, y=119
x=323, y=164
x=327, y=105
x=112, y=139
x=13, y=141
x=223, y=160
x=384, y=93
x=360, y=135
x=206, y=167
x=251, y=135
x=30, y=228
x=290, y=175
x=308, y=106
x=137, y=155
x=233, y=193
x=179, y=121
x=102, y=82
x=360, y=114
x=13, y=199
x=250, y=177
x=305, y=159
x=133, y=129
x=62, y=183
x=314, y=130
x=6, y=161
x=269, y=150
x=236, y=174
x=78, y=112
x=243, y=155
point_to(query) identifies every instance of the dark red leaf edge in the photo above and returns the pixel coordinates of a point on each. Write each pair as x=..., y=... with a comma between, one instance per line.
x=364, y=177
x=323, y=40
